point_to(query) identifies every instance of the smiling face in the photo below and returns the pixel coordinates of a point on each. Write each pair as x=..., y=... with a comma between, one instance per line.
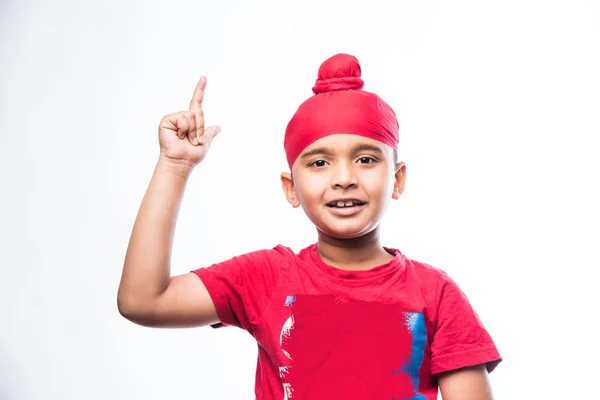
x=344, y=183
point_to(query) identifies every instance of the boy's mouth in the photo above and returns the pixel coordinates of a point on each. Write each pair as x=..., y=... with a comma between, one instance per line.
x=345, y=203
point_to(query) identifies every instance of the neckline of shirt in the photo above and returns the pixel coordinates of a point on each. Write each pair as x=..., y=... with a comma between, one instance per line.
x=358, y=276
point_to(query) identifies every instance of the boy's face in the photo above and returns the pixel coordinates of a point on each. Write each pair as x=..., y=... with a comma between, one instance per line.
x=344, y=183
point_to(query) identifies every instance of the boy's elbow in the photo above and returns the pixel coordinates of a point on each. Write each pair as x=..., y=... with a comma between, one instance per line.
x=131, y=310
x=125, y=308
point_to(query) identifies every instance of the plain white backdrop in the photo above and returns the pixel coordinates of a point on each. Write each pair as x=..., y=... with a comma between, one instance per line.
x=498, y=104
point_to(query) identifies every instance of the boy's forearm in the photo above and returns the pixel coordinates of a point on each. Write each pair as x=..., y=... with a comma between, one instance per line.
x=146, y=271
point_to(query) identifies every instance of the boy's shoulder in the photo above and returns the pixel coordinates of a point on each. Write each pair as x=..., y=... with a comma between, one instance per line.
x=422, y=269
x=430, y=278
x=426, y=270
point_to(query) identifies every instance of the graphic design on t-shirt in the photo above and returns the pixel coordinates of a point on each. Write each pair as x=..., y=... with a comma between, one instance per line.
x=333, y=348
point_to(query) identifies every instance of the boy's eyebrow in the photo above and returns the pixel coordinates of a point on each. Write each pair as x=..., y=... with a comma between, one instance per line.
x=367, y=147
x=326, y=151
x=317, y=151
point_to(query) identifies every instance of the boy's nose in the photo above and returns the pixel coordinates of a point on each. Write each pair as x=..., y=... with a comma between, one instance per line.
x=344, y=176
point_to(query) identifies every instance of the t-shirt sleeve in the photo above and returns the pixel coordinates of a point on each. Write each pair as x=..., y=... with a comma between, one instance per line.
x=241, y=287
x=459, y=338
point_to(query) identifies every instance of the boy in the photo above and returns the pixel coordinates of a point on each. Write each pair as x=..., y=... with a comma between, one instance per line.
x=345, y=318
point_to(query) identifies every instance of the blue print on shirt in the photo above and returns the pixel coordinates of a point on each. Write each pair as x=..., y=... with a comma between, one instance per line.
x=415, y=322
x=289, y=300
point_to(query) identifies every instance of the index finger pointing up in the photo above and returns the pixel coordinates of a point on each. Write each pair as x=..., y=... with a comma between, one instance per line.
x=198, y=97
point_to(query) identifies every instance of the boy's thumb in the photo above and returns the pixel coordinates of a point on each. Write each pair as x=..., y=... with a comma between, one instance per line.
x=211, y=132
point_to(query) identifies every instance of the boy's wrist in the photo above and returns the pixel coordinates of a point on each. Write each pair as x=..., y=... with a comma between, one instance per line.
x=179, y=168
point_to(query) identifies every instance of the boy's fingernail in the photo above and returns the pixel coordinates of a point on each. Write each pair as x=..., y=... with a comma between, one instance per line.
x=201, y=140
x=194, y=140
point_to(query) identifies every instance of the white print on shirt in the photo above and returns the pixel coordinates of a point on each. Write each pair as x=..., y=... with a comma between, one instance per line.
x=286, y=330
x=285, y=334
x=287, y=391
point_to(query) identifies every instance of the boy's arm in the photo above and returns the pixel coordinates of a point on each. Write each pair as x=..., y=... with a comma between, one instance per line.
x=470, y=383
x=147, y=294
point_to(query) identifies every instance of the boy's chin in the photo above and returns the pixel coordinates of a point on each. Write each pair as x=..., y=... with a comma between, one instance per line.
x=344, y=234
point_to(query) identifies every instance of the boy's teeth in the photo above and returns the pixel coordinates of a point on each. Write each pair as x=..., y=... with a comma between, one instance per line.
x=341, y=203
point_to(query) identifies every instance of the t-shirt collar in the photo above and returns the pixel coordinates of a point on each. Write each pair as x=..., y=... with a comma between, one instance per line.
x=373, y=273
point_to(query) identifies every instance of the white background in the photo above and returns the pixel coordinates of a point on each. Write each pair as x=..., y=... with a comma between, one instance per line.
x=498, y=104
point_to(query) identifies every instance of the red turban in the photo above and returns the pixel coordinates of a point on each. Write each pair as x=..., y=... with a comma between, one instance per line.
x=340, y=106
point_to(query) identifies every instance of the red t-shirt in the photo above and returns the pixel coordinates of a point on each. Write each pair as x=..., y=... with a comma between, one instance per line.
x=326, y=333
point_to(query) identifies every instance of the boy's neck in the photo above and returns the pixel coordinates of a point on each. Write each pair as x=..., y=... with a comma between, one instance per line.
x=360, y=253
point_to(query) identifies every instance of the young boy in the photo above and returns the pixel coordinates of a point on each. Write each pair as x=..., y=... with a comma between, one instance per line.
x=345, y=318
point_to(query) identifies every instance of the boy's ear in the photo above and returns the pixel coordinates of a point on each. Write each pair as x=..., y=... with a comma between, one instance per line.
x=287, y=184
x=400, y=180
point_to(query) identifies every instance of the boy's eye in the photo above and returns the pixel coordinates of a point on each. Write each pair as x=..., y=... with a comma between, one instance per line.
x=318, y=163
x=366, y=160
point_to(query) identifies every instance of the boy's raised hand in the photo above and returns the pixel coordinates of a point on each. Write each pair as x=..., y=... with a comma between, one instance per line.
x=148, y=295
x=182, y=137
